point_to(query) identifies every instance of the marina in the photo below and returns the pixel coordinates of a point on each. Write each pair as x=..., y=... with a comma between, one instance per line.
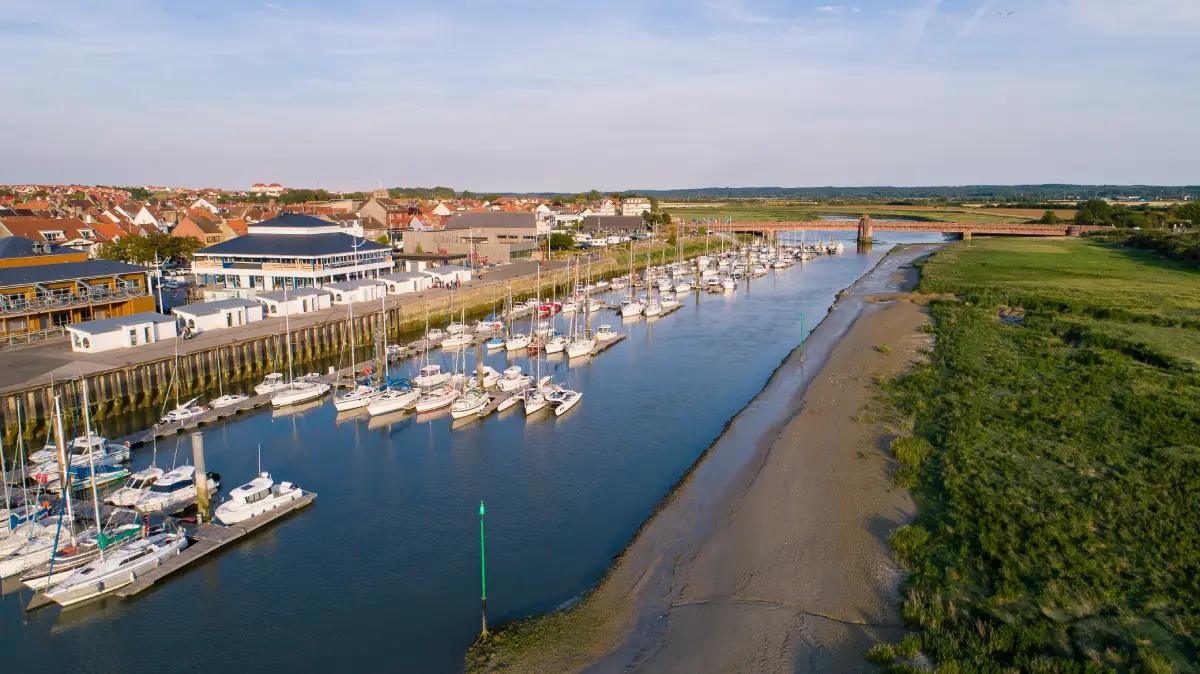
x=411, y=479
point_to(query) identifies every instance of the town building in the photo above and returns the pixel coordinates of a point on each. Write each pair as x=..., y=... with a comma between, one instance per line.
x=204, y=316
x=416, y=262
x=616, y=224
x=449, y=274
x=207, y=230
x=493, y=237
x=121, y=332
x=358, y=290
x=635, y=206
x=298, y=301
x=292, y=251
x=406, y=282
x=44, y=287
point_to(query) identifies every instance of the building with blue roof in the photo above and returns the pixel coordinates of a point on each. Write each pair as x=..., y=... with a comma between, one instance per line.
x=291, y=251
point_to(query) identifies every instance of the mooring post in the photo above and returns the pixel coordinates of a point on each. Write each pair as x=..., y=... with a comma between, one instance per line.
x=202, y=496
x=482, y=572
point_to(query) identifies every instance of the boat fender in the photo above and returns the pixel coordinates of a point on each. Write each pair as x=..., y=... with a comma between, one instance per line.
x=132, y=576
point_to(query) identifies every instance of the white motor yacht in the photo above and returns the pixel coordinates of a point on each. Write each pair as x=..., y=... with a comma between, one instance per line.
x=256, y=497
x=119, y=568
x=139, y=483
x=458, y=340
x=431, y=376
x=604, y=333
x=393, y=400
x=227, y=400
x=471, y=402
x=563, y=399
x=435, y=335
x=729, y=283
x=513, y=380
x=270, y=384
x=490, y=378
x=455, y=328
x=570, y=307
x=299, y=392
x=358, y=398
x=436, y=399
x=173, y=491
x=518, y=341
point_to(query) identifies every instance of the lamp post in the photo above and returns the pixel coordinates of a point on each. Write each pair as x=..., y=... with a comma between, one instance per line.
x=482, y=572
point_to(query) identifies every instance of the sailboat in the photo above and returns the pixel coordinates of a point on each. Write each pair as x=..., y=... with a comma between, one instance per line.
x=653, y=307
x=116, y=569
x=632, y=306
x=431, y=374
x=224, y=400
x=296, y=392
x=363, y=394
x=580, y=345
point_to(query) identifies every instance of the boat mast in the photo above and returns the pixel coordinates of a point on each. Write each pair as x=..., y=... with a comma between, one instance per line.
x=383, y=310
x=62, y=457
x=220, y=376
x=287, y=323
x=87, y=433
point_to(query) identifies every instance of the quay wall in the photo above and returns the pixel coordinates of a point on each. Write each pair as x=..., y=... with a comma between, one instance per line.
x=148, y=385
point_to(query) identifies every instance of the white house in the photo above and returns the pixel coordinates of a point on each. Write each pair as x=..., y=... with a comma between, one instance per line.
x=121, y=332
x=205, y=316
x=450, y=273
x=441, y=209
x=635, y=206
x=147, y=218
x=358, y=290
x=607, y=207
x=406, y=282
x=204, y=203
x=299, y=301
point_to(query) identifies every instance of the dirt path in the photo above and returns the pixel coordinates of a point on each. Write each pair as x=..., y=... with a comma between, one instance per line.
x=772, y=556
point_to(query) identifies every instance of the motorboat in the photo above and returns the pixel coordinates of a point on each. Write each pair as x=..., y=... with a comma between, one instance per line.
x=174, y=491
x=495, y=344
x=683, y=287
x=358, y=398
x=490, y=378
x=563, y=399
x=393, y=400
x=471, y=402
x=13, y=519
x=518, y=341
x=669, y=302
x=729, y=283
x=580, y=347
x=458, y=340
x=36, y=550
x=84, y=477
x=604, y=333
x=489, y=325
x=431, y=376
x=270, y=384
x=227, y=400
x=758, y=270
x=544, y=329
x=514, y=380
x=435, y=335
x=556, y=344
x=570, y=307
x=256, y=497
x=188, y=410
x=118, y=568
x=139, y=483
x=436, y=399
x=299, y=392
x=396, y=350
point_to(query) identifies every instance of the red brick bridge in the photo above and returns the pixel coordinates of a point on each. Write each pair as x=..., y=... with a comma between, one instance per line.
x=866, y=227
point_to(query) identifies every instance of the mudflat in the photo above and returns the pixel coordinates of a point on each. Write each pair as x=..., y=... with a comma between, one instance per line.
x=780, y=563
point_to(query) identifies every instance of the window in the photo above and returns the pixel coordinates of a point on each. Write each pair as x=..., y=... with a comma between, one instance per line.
x=148, y=340
x=229, y=320
x=77, y=342
x=133, y=338
x=273, y=307
x=87, y=343
x=303, y=305
x=191, y=323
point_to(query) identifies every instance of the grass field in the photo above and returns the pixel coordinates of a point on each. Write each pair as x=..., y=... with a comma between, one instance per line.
x=775, y=212
x=746, y=213
x=1055, y=458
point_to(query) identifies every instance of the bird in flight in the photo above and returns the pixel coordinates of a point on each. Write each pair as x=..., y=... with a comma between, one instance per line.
x=1005, y=14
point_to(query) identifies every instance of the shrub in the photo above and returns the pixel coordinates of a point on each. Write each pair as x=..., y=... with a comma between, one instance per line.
x=883, y=348
x=907, y=541
x=881, y=654
x=910, y=449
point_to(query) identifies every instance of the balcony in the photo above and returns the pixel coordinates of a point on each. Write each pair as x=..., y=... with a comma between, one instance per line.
x=42, y=302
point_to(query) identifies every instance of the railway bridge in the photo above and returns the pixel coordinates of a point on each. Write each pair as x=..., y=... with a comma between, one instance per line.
x=866, y=227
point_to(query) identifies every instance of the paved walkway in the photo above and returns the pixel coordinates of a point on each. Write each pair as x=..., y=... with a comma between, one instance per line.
x=38, y=365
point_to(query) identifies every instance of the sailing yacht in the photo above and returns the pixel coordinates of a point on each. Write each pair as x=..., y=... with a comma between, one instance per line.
x=223, y=399
x=297, y=391
x=470, y=402
x=139, y=483
x=437, y=398
x=394, y=399
x=563, y=399
x=188, y=410
x=490, y=378
x=117, y=569
x=362, y=394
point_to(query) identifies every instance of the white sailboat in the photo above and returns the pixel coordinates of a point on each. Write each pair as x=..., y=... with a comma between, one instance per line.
x=224, y=400
x=361, y=395
x=116, y=569
x=296, y=392
x=173, y=491
x=580, y=345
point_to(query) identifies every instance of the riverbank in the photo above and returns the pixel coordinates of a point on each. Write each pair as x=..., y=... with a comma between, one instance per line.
x=771, y=553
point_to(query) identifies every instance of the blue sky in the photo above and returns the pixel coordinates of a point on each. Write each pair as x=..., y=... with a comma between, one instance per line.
x=540, y=95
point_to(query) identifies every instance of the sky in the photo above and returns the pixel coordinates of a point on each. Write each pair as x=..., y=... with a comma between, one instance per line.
x=571, y=95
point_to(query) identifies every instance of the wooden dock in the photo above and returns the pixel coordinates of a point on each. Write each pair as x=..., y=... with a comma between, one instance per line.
x=208, y=417
x=498, y=397
x=202, y=540
x=601, y=346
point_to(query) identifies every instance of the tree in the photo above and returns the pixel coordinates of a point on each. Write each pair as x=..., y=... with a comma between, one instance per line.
x=664, y=218
x=491, y=197
x=1188, y=213
x=1094, y=212
x=561, y=241
x=594, y=195
x=468, y=194
x=654, y=203
x=143, y=249
x=383, y=238
x=419, y=249
x=1049, y=218
x=440, y=192
x=671, y=238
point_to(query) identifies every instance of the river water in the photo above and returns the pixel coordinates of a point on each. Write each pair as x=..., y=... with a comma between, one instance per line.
x=382, y=572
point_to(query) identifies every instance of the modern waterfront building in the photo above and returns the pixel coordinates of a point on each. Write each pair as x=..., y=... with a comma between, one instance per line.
x=290, y=251
x=298, y=301
x=121, y=332
x=44, y=287
x=406, y=282
x=360, y=290
x=204, y=316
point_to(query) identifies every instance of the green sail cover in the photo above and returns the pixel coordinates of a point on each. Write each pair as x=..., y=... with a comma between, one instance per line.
x=121, y=536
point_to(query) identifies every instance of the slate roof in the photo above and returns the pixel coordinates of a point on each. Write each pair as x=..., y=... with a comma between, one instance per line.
x=110, y=324
x=493, y=219
x=65, y=271
x=294, y=220
x=293, y=245
x=18, y=246
x=210, y=308
x=614, y=223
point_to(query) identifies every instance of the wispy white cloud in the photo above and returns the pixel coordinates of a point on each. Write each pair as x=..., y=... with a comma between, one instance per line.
x=829, y=9
x=735, y=11
x=917, y=19
x=983, y=10
x=1136, y=16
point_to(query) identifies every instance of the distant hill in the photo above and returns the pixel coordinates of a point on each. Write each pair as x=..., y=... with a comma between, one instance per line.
x=952, y=193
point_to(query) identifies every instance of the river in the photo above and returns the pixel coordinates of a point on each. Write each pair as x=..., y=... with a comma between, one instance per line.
x=383, y=571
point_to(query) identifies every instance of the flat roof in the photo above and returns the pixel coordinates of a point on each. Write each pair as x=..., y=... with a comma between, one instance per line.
x=210, y=308
x=109, y=324
x=446, y=269
x=404, y=276
x=292, y=293
x=352, y=284
x=428, y=257
x=66, y=271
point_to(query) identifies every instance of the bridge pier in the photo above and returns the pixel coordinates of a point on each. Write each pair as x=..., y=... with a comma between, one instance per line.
x=866, y=231
x=966, y=235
